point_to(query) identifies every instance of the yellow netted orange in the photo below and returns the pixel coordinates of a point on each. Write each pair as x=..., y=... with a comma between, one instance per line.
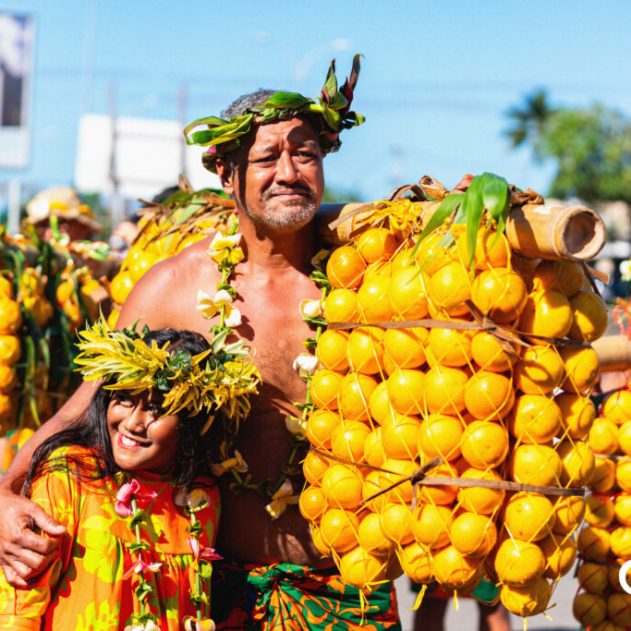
x=345, y=267
x=484, y=501
x=431, y=525
x=342, y=486
x=7, y=378
x=395, y=520
x=604, y=475
x=314, y=467
x=375, y=482
x=623, y=475
x=619, y=610
x=338, y=529
x=560, y=555
x=535, y=419
x=547, y=313
x=582, y=368
x=365, y=349
x=566, y=277
x=444, y=389
x=142, y=263
x=120, y=287
x=577, y=414
x=489, y=395
x=617, y=406
x=407, y=294
x=484, y=444
x=378, y=268
x=568, y=514
x=398, y=470
x=592, y=577
x=372, y=299
x=354, y=394
x=539, y=371
x=6, y=287
x=491, y=250
x=589, y=609
x=577, y=463
x=590, y=316
x=622, y=509
x=442, y=494
x=599, y=511
x=603, y=437
x=341, y=306
x=373, y=449
x=449, y=347
x=405, y=347
x=312, y=503
x=331, y=350
x=432, y=253
x=488, y=354
x=41, y=310
x=347, y=440
x=380, y=408
x=376, y=244
x=10, y=316
x=324, y=389
x=440, y=435
x=361, y=569
x=519, y=562
x=400, y=437
x=416, y=562
x=472, y=534
x=65, y=291
x=535, y=464
x=454, y=570
x=528, y=516
x=406, y=387
x=371, y=537
x=499, y=293
x=448, y=288
x=624, y=437
x=6, y=406
x=593, y=544
x=528, y=600
x=620, y=542
x=613, y=573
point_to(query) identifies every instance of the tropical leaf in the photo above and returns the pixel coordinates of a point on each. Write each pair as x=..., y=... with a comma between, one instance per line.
x=286, y=100
x=447, y=207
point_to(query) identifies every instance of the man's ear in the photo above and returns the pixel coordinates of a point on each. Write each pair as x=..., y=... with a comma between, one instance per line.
x=224, y=171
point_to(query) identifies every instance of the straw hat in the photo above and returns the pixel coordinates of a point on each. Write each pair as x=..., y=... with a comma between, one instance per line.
x=62, y=202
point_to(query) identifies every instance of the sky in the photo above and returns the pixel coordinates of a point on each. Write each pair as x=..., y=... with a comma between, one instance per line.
x=437, y=78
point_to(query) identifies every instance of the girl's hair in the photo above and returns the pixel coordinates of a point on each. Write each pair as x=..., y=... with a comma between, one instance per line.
x=90, y=431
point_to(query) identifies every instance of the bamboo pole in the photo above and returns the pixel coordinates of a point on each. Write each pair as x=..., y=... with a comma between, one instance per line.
x=614, y=353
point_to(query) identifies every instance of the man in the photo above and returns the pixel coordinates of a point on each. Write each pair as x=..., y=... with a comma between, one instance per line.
x=274, y=171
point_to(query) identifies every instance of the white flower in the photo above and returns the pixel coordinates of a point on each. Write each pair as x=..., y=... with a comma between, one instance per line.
x=305, y=364
x=318, y=258
x=310, y=308
x=209, y=306
x=295, y=425
x=625, y=270
x=222, y=241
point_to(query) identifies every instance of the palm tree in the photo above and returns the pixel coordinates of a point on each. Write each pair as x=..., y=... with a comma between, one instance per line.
x=529, y=119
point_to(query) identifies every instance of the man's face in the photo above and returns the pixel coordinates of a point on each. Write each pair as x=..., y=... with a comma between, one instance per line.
x=279, y=181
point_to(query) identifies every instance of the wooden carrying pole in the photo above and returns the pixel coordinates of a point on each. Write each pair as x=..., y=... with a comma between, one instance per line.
x=614, y=353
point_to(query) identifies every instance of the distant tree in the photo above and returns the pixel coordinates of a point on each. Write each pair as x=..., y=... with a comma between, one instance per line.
x=529, y=120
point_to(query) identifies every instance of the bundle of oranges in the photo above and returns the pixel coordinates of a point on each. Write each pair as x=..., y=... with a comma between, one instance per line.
x=604, y=543
x=472, y=367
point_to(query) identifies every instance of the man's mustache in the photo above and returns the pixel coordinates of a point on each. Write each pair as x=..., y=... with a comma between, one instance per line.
x=280, y=190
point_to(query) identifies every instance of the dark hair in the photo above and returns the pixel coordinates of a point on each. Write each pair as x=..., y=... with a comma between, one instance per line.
x=90, y=431
x=246, y=102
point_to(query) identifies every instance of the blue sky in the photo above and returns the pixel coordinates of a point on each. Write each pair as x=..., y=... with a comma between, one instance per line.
x=437, y=76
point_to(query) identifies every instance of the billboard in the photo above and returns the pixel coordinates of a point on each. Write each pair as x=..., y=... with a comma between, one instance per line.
x=17, y=38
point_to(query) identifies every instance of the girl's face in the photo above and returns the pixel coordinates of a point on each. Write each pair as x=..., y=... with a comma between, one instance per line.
x=142, y=437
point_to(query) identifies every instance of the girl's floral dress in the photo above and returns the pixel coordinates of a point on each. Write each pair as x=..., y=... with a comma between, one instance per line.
x=90, y=584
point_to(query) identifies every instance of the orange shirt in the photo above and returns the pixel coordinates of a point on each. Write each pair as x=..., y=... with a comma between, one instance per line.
x=84, y=587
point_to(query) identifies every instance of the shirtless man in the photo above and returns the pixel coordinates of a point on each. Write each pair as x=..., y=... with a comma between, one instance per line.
x=275, y=175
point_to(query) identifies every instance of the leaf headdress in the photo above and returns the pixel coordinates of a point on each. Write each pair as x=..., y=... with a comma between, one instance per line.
x=218, y=379
x=331, y=110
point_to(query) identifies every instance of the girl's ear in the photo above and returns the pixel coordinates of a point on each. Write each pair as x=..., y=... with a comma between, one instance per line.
x=225, y=171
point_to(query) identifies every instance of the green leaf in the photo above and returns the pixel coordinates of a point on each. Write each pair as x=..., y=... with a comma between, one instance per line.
x=472, y=209
x=286, y=100
x=495, y=196
x=191, y=210
x=447, y=207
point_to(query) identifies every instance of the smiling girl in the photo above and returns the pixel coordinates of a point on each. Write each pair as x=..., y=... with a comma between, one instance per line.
x=126, y=481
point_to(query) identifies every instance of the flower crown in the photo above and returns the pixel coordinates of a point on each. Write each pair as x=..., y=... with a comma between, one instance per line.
x=332, y=110
x=219, y=378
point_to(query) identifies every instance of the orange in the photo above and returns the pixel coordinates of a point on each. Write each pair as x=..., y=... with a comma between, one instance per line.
x=614, y=578
x=535, y=464
x=376, y=244
x=331, y=350
x=440, y=435
x=378, y=268
x=623, y=475
x=142, y=263
x=620, y=542
x=6, y=287
x=500, y=294
x=547, y=313
x=347, y=440
x=6, y=407
x=484, y=444
x=488, y=353
x=528, y=516
x=345, y=267
x=577, y=414
x=528, y=600
x=405, y=347
x=518, y=562
x=65, y=290
x=491, y=250
x=381, y=410
x=341, y=306
x=590, y=316
x=7, y=378
x=482, y=500
x=619, y=609
x=371, y=537
x=374, y=482
x=41, y=310
x=324, y=388
x=314, y=467
x=577, y=463
x=604, y=475
x=373, y=449
x=599, y=511
x=449, y=287
x=453, y=570
x=372, y=299
x=120, y=287
x=540, y=370
x=488, y=395
x=10, y=316
x=440, y=494
x=320, y=426
x=361, y=569
x=473, y=535
x=407, y=294
x=594, y=544
x=617, y=406
x=589, y=609
x=444, y=389
x=592, y=577
x=560, y=555
x=399, y=470
x=569, y=512
x=416, y=563
x=338, y=529
x=582, y=368
x=395, y=520
x=566, y=277
x=312, y=503
x=535, y=419
x=354, y=394
x=432, y=253
x=406, y=387
x=622, y=509
x=342, y=486
x=431, y=525
x=624, y=438
x=400, y=437
x=449, y=347
x=603, y=437
x=365, y=349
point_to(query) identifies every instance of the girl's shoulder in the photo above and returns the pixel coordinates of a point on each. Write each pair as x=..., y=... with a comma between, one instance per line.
x=80, y=464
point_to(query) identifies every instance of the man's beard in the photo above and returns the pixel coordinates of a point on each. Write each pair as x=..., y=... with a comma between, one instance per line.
x=289, y=216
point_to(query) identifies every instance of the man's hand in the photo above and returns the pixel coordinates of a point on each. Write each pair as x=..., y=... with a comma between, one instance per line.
x=23, y=553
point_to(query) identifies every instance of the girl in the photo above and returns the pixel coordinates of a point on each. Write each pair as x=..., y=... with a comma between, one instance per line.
x=125, y=480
